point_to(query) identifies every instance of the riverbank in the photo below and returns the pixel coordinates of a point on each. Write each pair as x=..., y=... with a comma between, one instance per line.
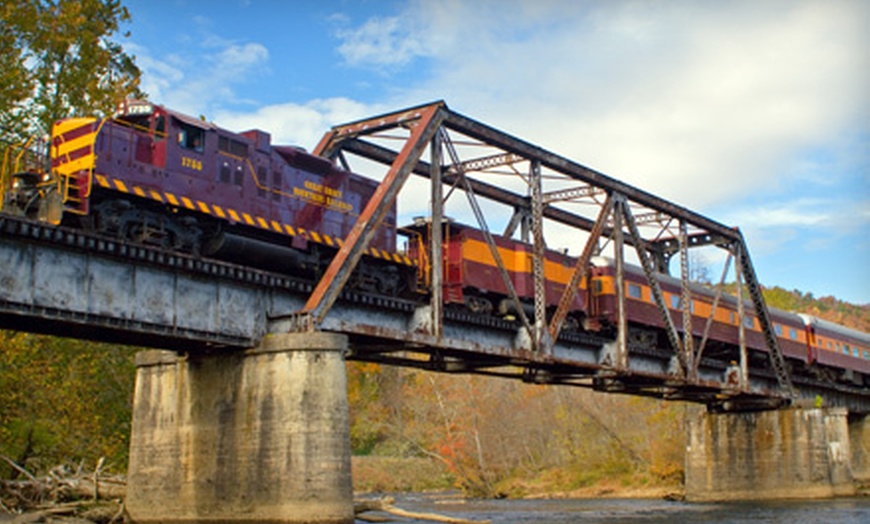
x=374, y=474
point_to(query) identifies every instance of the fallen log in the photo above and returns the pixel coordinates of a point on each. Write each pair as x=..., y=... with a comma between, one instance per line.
x=60, y=485
x=385, y=505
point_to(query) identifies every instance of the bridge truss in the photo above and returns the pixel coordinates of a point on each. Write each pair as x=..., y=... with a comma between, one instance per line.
x=540, y=189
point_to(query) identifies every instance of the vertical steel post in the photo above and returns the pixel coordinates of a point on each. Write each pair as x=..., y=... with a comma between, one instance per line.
x=436, y=254
x=541, y=342
x=525, y=226
x=686, y=303
x=741, y=315
x=619, y=260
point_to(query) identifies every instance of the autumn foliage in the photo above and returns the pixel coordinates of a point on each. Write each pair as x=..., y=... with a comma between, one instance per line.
x=63, y=401
x=498, y=437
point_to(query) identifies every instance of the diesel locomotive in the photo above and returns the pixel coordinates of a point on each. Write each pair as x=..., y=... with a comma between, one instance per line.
x=155, y=176
x=159, y=177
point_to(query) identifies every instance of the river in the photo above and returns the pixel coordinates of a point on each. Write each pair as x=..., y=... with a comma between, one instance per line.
x=637, y=511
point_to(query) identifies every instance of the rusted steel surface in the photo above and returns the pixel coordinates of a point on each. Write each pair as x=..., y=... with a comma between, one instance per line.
x=425, y=122
x=436, y=249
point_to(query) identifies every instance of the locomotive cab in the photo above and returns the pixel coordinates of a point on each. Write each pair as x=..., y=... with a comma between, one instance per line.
x=148, y=123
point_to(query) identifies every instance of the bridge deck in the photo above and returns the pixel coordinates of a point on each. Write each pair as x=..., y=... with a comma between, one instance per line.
x=70, y=283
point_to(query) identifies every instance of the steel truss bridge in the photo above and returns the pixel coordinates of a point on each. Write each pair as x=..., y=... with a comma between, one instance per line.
x=72, y=283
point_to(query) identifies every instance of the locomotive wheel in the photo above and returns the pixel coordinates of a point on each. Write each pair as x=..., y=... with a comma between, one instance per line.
x=142, y=233
x=477, y=304
x=121, y=219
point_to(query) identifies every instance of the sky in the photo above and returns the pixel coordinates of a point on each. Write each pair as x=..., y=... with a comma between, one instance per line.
x=753, y=113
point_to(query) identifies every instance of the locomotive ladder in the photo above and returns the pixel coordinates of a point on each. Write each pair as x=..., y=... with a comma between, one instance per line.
x=77, y=188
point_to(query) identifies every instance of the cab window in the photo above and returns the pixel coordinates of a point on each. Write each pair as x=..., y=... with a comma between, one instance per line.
x=190, y=137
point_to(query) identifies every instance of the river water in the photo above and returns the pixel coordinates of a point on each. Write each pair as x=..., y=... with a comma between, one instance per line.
x=641, y=511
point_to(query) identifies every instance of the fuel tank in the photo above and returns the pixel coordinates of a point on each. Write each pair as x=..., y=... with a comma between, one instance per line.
x=257, y=253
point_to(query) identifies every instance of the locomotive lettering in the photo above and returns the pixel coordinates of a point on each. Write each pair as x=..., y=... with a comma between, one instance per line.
x=322, y=195
x=191, y=163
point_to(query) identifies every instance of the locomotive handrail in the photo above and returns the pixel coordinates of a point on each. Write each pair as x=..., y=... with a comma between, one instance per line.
x=137, y=127
x=269, y=189
x=11, y=165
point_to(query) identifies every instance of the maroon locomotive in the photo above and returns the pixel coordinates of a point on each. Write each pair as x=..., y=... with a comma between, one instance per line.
x=159, y=177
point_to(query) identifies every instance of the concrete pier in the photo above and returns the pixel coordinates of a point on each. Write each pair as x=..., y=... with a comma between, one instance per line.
x=257, y=437
x=794, y=453
x=859, y=438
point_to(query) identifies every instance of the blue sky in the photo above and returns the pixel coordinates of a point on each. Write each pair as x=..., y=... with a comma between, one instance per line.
x=756, y=114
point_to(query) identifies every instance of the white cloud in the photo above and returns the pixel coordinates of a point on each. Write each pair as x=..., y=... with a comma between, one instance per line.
x=296, y=124
x=379, y=42
x=203, y=77
x=697, y=102
x=709, y=104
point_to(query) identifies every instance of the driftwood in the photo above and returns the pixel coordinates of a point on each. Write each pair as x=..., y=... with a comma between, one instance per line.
x=62, y=491
x=385, y=505
x=67, y=492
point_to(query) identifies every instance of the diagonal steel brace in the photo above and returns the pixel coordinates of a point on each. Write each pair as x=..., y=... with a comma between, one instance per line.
x=426, y=122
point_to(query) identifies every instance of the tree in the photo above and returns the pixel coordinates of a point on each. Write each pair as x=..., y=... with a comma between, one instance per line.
x=58, y=60
x=63, y=400
x=14, y=77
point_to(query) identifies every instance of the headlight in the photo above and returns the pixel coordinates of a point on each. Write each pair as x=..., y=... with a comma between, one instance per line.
x=16, y=183
x=46, y=177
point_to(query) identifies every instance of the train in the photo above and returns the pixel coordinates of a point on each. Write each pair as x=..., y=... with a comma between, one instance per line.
x=471, y=279
x=152, y=175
